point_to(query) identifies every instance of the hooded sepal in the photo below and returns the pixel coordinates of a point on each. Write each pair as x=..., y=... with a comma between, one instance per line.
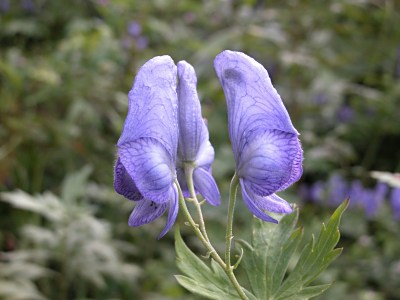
x=150, y=166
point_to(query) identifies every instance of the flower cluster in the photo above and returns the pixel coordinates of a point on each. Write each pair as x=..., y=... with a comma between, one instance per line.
x=164, y=135
x=336, y=189
x=148, y=156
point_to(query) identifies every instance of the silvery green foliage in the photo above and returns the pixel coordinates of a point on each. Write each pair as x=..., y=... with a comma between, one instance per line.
x=70, y=237
x=18, y=272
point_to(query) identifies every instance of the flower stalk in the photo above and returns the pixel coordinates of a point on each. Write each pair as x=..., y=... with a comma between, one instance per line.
x=189, y=168
x=229, y=225
x=201, y=233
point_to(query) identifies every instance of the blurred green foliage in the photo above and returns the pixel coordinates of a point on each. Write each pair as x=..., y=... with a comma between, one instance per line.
x=65, y=70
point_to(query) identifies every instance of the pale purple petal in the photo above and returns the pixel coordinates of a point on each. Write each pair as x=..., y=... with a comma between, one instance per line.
x=253, y=103
x=194, y=146
x=205, y=155
x=123, y=183
x=267, y=159
x=297, y=168
x=172, y=213
x=153, y=105
x=272, y=203
x=146, y=211
x=180, y=175
x=193, y=132
x=205, y=184
x=253, y=207
x=150, y=166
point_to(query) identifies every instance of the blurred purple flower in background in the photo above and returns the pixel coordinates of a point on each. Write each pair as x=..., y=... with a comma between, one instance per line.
x=135, y=37
x=103, y=2
x=395, y=203
x=145, y=168
x=134, y=29
x=4, y=5
x=189, y=17
x=373, y=199
x=141, y=42
x=320, y=99
x=345, y=114
x=338, y=190
x=355, y=193
x=316, y=191
x=265, y=144
x=194, y=147
x=27, y=5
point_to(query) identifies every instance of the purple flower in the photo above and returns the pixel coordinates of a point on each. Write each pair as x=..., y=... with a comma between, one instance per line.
x=356, y=193
x=194, y=147
x=265, y=144
x=316, y=193
x=320, y=99
x=145, y=168
x=27, y=5
x=370, y=203
x=345, y=114
x=141, y=42
x=103, y=2
x=338, y=190
x=395, y=203
x=4, y=5
x=134, y=29
x=369, y=199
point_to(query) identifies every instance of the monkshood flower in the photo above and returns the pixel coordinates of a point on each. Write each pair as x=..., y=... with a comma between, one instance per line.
x=194, y=147
x=265, y=144
x=145, y=167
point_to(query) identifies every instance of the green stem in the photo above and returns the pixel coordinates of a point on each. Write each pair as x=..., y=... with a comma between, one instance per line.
x=189, y=180
x=229, y=236
x=204, y=239
x=231, y=209
x=196, y=229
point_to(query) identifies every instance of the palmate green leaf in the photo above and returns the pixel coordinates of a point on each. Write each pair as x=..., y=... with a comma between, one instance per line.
x=315, y=257
x=266, y=259
x=200, y=279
